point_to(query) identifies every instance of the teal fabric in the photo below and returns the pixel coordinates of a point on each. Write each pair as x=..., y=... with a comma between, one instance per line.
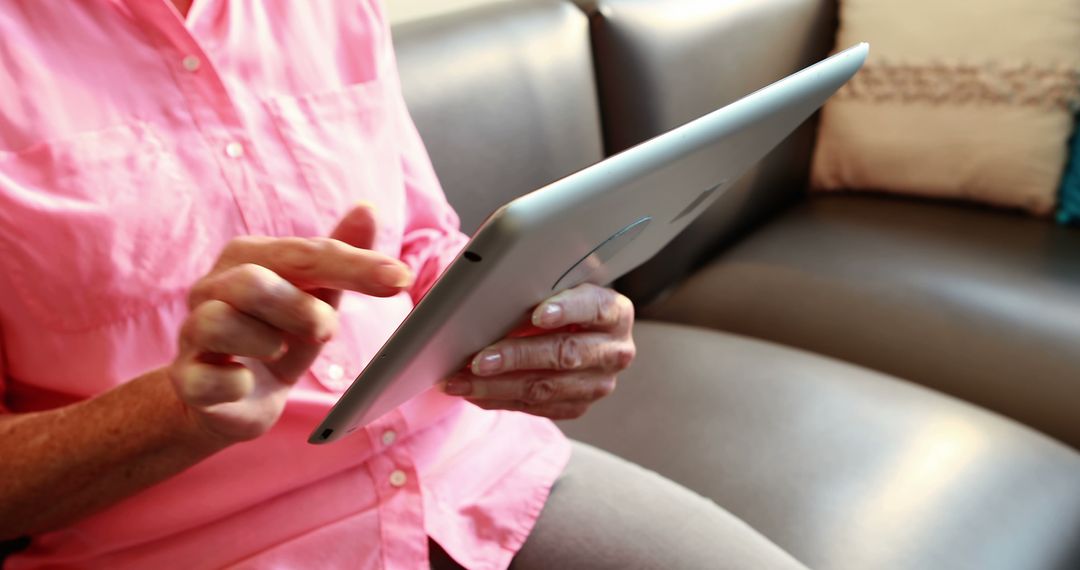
x=1069, y=204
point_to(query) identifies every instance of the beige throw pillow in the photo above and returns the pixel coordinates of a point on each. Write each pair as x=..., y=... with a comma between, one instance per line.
x=958, y=99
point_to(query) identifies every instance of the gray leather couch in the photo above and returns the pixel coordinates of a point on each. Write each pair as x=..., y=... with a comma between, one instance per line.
x=870, y=382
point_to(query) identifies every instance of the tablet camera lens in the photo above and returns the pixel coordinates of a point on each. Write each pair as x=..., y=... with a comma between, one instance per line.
x=472, y=256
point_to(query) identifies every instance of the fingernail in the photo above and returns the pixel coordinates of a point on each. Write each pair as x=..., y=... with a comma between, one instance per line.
x=322, y=337
x=393, y=275
x=458, y=387
x=487, y=362
x=280, y=352
x=548, y=316
x=366, y=204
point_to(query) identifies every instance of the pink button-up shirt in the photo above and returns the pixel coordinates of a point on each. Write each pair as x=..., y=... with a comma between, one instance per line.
x=134, y=144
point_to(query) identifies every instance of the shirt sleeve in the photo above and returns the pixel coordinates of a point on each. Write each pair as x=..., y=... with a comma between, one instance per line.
x=432, y=238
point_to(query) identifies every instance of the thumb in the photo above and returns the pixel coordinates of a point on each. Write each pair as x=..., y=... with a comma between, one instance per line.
x=358, y=226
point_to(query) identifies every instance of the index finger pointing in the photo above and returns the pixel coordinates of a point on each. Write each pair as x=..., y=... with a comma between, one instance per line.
x=321, y=263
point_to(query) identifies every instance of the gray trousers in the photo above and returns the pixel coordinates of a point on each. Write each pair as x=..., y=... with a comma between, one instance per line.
x=605, y=512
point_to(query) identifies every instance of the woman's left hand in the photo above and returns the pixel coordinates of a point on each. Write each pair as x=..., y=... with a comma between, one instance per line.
x=584, y=342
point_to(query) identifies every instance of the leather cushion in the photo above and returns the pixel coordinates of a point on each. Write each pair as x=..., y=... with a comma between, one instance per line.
x=842, y=467
x=504, y=98
x=977, y=303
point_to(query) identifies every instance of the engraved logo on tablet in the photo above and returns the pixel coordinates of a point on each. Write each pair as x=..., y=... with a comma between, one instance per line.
x=595, y=260
x=699, y=201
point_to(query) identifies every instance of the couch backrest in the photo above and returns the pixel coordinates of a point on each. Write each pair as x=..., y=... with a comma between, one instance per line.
x=504, y=97
x=661, y=63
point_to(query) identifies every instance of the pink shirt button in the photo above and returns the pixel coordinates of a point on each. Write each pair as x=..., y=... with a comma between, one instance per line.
x=191, y=63
x=234, y=150
x=335, y=377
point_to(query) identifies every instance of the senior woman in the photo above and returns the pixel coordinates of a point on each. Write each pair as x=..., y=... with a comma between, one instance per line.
x=173, y=324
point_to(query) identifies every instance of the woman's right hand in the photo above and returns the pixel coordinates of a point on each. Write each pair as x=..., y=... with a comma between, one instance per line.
x=271, y=300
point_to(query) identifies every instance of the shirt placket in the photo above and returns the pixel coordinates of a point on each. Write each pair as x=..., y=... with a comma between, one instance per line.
x=397, y=482
x=213, y=111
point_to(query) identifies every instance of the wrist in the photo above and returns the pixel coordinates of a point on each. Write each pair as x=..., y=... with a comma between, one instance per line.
x=187, y=425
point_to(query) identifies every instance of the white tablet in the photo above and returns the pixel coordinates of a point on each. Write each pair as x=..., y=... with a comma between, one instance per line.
x=593, y=226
